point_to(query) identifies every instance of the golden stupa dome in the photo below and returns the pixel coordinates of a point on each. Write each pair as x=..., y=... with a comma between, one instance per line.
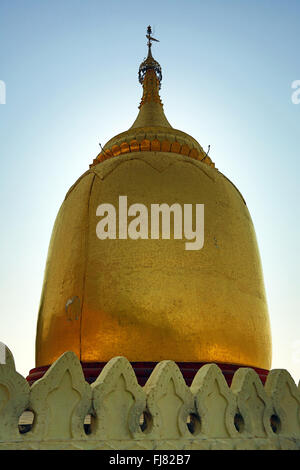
x=152, y=299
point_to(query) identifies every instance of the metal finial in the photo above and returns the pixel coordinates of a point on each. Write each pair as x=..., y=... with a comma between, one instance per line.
x=149, y=62
x=150, y=38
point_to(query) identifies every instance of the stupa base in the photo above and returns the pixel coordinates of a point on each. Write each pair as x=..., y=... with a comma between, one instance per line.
x=143, y=371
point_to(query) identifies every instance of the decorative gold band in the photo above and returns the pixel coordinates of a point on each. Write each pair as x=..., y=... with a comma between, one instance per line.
x=154, y=145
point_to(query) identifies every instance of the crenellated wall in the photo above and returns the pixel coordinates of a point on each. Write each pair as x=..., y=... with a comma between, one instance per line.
x=62, y=411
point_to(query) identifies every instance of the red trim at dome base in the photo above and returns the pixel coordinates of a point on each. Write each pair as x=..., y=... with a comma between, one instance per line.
x=143, y=371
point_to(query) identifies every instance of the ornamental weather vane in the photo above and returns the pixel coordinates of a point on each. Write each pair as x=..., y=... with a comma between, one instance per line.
x=150, y=63
x=150, y=38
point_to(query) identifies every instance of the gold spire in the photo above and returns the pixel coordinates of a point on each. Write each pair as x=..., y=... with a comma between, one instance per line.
x=151, y=130
x=150, y=299
x=150, y=76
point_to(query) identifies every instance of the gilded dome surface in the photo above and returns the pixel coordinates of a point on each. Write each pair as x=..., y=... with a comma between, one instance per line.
x=150, y=299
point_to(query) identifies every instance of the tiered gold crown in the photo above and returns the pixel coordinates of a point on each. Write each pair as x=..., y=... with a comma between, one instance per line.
x=151, y=131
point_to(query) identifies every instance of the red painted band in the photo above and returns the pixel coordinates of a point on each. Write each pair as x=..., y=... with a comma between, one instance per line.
x=143, y=370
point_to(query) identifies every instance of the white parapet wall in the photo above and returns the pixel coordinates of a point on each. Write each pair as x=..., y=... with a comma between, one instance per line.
x=62, y=411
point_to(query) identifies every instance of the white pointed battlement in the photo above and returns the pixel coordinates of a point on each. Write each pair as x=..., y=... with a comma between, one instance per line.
x=62, y=411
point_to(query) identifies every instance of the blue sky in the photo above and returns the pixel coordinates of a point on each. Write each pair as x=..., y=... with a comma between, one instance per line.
x=70, y=69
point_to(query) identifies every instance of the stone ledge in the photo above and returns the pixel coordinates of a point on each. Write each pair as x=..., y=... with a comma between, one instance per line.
x=62, y=411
